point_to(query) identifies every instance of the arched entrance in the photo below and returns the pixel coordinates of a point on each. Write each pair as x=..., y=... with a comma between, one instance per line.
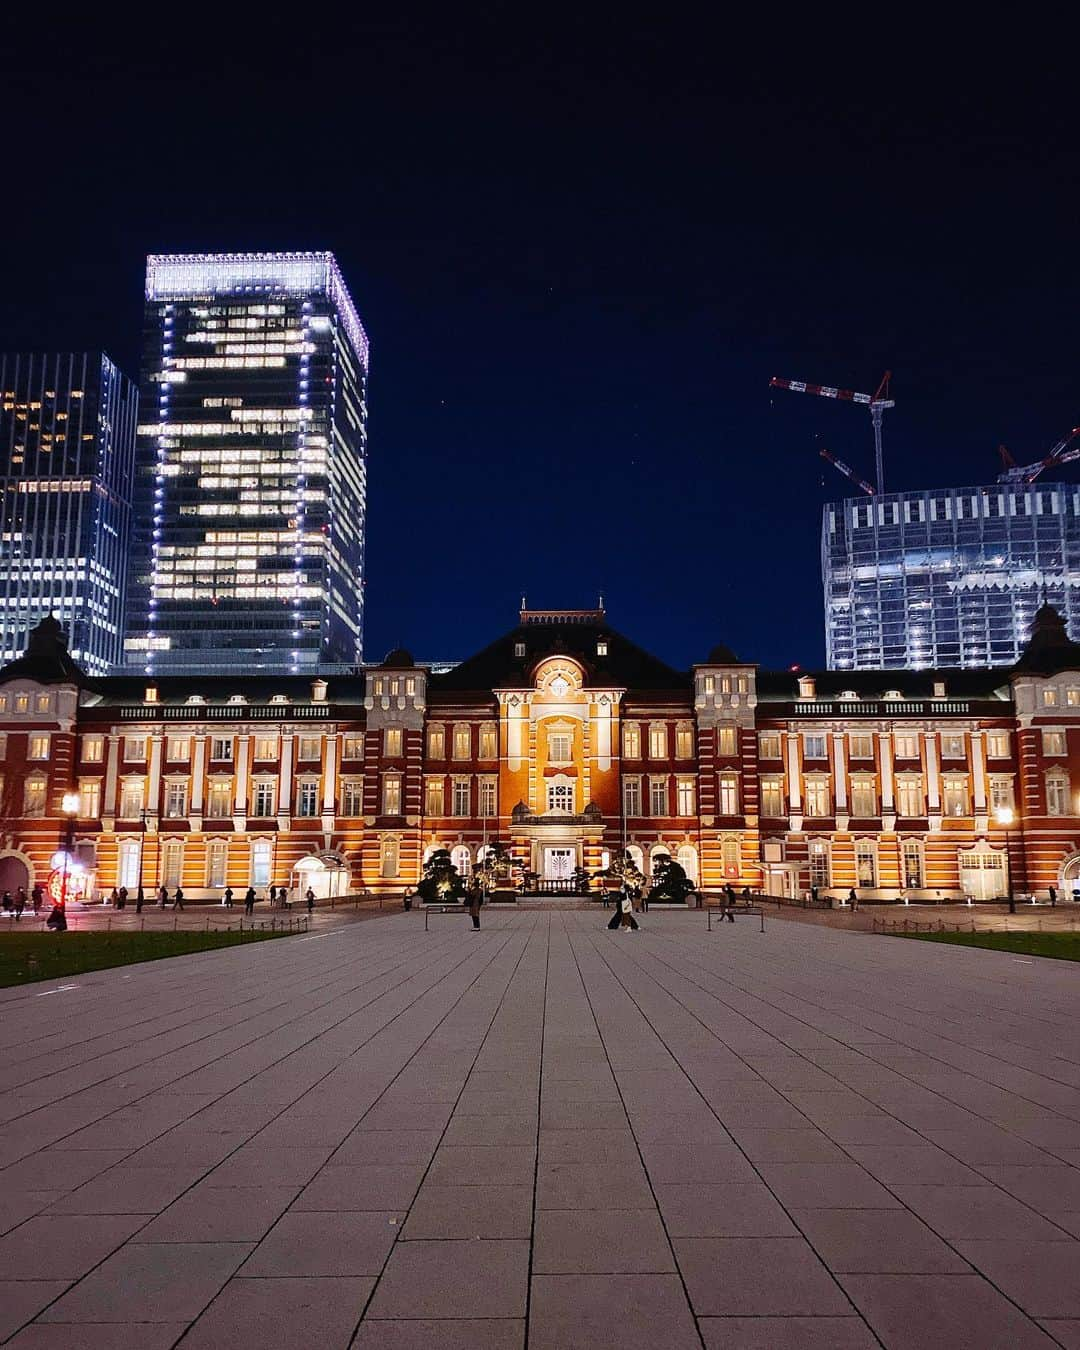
x=327, y=874
x=1069, y=874
x=14, y=873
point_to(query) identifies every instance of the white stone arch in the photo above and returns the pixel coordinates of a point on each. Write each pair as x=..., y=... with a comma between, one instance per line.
x=637, y=857
x=687, y=858
x=658, y=851
x=13, y=862
x=429, y=850
x=461, y=857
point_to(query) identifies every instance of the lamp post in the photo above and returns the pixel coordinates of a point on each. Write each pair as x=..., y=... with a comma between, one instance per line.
x=1004, y=817
x=70, y=806
x=140, y=898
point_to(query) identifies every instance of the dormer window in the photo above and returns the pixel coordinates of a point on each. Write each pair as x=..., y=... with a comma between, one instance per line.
x=893, y=694
x=279, y=698
x=237, y=699
x=151, y=695
x=849, y=694
x=195, y=699
x=601, y=647
x=939, y=688
x=519, y=649
x=807, y=686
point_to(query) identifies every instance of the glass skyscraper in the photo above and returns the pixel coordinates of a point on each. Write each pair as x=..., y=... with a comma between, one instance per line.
x=67, y=453
x=948, y=577
x=252, y=467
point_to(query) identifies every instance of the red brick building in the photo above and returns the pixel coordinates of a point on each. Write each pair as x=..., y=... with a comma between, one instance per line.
x=564, y=740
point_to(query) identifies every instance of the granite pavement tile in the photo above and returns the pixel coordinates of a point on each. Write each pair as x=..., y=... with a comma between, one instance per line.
x=1042, y=1277
x=66, y=1246
x=330, y=1243
x=281, y=1314
x=98, y=1336
x=362, y=1186
x=483, y=1165
x=590, y=1241
x=737, y=1209
x=209, y=1213
x=877, y=1241
x=787, y=1333
x=449, y=1280
x=21, y=1300
x=762, y=1277
x=826, y=1186
x=470, y=1212
x=977, y=1212
x=610, y=1312
x=427, y=1334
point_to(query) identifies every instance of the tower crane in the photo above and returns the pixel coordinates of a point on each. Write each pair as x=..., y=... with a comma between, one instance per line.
x=847, y=471
x=1027, y=473
x=877, y=403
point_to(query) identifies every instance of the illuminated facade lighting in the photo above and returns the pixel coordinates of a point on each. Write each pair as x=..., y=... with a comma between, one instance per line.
x=249, y=545
x=949, y=576
x=67, y=453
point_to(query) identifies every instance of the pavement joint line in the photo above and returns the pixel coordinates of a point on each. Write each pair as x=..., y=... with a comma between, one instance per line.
x=885, y=1185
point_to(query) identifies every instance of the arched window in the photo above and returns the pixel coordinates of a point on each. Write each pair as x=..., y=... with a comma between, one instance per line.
x=431, y=848
x=34, y=793
x=687, y=860
x=560, y=795
x=462, y=741
x=636, y=857
x=657, y=851
x=127, y=870
x=462, y=859
x=261, y=857
x=172, y=862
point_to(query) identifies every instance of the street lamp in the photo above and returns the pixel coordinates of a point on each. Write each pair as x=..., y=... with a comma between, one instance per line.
x=1004, y=817
x=70, y=806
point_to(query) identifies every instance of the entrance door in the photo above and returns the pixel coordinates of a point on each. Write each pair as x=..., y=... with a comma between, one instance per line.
x=558, y=864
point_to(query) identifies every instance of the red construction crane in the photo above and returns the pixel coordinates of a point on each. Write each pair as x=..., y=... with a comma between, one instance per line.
x=847, y=471
x=877, y=403
x=1027, y=473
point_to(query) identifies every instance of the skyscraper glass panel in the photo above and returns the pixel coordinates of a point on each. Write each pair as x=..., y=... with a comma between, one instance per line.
x=948, y=577
x=252, y=467
x=67, y=450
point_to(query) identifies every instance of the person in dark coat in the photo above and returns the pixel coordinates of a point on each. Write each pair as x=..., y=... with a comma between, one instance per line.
x=163, y=897
x=475, y=898
x=122, y=898
x=178, y=899
x=140, y=900
x=57, y=920
x=228, y=897
x=249, y=901
x=1053, y=897
x=624, y=912
x=20, y=903
x=310, y=898
x=37, y=895
x=853, y=900
x=7, y=902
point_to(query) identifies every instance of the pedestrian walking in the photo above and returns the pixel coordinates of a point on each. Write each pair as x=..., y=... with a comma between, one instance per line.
x=6, y=902
x=643, y=895
x=140, y=900
x=624, y=913
x=1053, y=897
x=178, y=899
x=57, y=920
x=114, y=898
x=406, y=897
x=122, y=898
x=310, y=898
x=475, y=898
x=249, y=900
x=813, y=895
x=37, y=895
x=227, y=898
x=163, y=897
x=853, y=900
x=283, y=897
x=20, y=903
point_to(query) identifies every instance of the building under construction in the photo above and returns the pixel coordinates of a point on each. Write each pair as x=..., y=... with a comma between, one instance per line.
x=946, y=576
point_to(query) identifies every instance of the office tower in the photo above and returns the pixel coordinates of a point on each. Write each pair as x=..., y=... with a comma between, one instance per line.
x=67, y=448
x=250, y=499
x=947, y=577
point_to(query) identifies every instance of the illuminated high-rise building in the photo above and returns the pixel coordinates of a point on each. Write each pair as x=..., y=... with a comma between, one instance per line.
x=947, y=576
x=67, y=449
x=251, y=486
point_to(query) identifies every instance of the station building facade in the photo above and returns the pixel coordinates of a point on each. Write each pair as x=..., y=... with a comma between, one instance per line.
x=566, y=742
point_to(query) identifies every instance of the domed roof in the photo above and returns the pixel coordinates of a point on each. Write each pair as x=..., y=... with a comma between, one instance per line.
x=722, y=656
x=399, y=659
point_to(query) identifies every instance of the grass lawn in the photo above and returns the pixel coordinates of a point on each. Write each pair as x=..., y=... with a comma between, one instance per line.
x=1065, y=946
x=25, y=957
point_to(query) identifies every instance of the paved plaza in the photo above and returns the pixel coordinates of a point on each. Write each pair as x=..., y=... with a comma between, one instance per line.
x=545, y=1134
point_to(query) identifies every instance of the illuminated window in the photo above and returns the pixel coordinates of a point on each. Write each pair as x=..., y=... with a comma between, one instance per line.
x=179, y=748
x=35, y=789
x=997, y=745
x=1057, y=793
x=559, y=747
x=221, y=747
x=913, y=865
x=728, y=795
x=865, y=863
x=1053, y=743
x=392, y=742
x=769, y=745
x=22, y=703
x=726, y=743
x=261, y=854
x=307, y=797
x=657, y=740
x=1050, y=698
x=1072, y=697
x=388, y=856
x=519, y=649
x=433, y=797
x=862, y=745
x=129, y=858
x=43, y=703
x=462, y=741
x=632, y=796
x=906, y=745
x=631, y=741
x=658, y=797
x=685, y=798
x=956, y=795
x=863, y=797
x=391, y=803
x=909, y=795
x=772, y=797
x=262, y=804
x=815, y=745
x=135, y=749
x=172, y=863
x=352, y=797
x=217, y=858
x=461, y=797
x=560, y=796
x=352, y=747
x=684, y=742
x=309, y=747
x=487, y=796
x=1001, y=792
x=131, y=799
x=819, y=863
x=38, y=746
x=436, y=742
x=816, y=797
x=601, y=646
x=219, y=799
x=175, y=800
x=952, y=745
x=489, y=741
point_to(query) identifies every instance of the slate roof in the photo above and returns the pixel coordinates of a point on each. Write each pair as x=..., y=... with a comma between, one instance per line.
x=783, y=685
x=626, y=665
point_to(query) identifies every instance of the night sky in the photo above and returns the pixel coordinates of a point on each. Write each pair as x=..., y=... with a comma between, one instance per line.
x=580, y=251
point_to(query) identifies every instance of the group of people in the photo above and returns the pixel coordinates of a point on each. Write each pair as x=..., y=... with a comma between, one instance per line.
x=17, y=905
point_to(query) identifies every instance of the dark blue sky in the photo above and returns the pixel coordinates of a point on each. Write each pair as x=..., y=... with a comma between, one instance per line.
x=580, y=251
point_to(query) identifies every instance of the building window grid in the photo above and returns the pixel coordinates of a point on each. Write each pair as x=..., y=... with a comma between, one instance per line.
x=685, y=798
